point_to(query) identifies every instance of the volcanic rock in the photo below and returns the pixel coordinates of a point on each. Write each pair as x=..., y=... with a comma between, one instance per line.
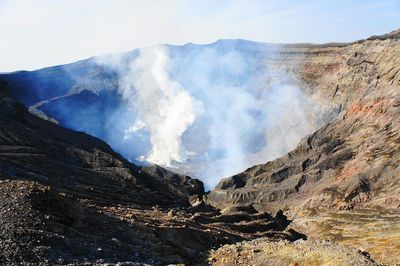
x=351, y=162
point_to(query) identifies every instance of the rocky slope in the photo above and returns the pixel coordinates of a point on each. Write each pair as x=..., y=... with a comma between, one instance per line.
x=34, y=148
x=374, y=231
x=67, y=197
x=351, y=162
x=264, y=252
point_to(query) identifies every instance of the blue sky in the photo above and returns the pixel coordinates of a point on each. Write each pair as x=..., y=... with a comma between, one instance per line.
x=38, y=33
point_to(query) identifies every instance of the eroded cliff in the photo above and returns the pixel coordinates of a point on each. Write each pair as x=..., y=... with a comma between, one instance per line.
x=352, y=161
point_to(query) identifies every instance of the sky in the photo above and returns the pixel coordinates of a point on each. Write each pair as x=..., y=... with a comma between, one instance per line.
x=40, y=33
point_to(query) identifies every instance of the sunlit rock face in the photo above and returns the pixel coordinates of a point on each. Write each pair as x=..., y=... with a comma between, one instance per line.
x=353, y=161
x=205, y=110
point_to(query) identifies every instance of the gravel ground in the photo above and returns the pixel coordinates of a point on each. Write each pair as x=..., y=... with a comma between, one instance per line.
x=265, y=252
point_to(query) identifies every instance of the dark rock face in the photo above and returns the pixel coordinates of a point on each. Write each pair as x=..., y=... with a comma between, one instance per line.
x=181, y=185
x=67, y=197
x=352, y=162
x=38, y=150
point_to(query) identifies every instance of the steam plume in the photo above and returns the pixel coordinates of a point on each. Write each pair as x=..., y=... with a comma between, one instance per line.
x=210, y=111
x=164, y=107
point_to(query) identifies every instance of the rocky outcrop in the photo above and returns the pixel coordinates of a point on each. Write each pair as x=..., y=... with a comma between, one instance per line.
x=40, y=225
x=352, y=162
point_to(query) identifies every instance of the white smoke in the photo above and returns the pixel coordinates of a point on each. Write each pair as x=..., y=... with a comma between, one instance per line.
x=164, y=107
x=211, y=111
